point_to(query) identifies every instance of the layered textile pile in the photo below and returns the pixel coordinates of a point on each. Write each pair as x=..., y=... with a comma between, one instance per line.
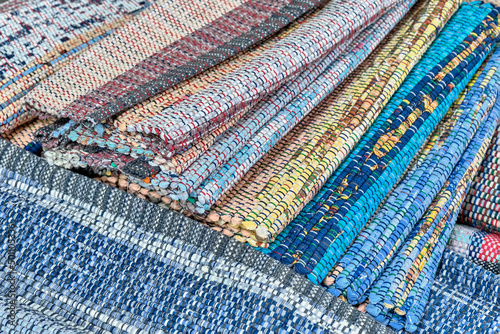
x=390, y=265
x=183, y=144
x=275, y=191
x=339, y=139
x=110, y=74
x=162, y=46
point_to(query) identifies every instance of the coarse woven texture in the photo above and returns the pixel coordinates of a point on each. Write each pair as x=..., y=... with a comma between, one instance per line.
x=201, y=134
x=463, y=299
x=37, y=29
x=281, y=110
x=37, y=38
x=95, y=259
x=430, y=235
x=480, y=247
x=24, y=135
x=290, y=177
x=391, y=265
x=400, y=292
x=165, y=44
x=319, y=236
x=230, y=170
x=482, y=206
x=327, y=32
x=115, y=137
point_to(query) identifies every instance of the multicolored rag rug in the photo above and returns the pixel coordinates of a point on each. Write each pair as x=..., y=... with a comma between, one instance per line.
x=272, y=194
x=482, y=206
x=480, y=247
x=95, y=259
x=200, y=168
x=326, y=149
x=390, y=265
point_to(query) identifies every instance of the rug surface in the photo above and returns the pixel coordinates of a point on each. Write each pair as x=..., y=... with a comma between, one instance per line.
x=480, y=247
x=463, y=299
x=165, y=44
x=92, y=258
x=342, y=146
x=83, y=240
x=482, y=206
x=38, y=38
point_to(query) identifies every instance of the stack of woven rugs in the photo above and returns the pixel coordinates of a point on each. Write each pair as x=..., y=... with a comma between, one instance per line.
x=318, y=154
x=477, y=237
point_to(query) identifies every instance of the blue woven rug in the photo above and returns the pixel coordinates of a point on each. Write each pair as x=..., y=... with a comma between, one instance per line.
x=464, y=299
x=91, y=258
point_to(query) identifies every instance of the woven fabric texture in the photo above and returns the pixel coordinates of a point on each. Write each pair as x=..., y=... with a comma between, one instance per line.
x=312, y=153
x=37, y=38
x=163, y=45
x=482, y=206
x=325, y=148
x=480, y=247
x=116, y=138
x=331, y=28
x=391, y=263
x=136, y=267
x=463, y=299
x=186, y=172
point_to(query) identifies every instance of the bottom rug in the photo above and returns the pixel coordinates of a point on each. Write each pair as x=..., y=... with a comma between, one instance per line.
x=78, y=256
x=91, y=258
